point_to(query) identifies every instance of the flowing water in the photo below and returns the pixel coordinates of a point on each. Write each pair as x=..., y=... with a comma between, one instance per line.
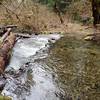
x=67, y=70
x=28, y=78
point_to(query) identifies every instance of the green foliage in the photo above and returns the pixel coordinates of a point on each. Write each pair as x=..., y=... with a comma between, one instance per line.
x=85, y=20
x=76, y=16
x=61, y=4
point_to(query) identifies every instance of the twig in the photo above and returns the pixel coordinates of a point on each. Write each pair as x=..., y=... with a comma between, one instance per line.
x=12, y=12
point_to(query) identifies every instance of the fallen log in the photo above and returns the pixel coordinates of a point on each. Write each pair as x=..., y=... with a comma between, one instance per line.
x=8, y=26
x=4, y=29
x=23, y=35
x=5, y=49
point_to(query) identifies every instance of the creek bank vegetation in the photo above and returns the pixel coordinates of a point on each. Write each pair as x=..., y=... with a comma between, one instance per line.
x=45, y=15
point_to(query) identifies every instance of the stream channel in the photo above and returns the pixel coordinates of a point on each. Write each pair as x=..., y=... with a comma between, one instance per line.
x=52, y=67
x=28, y=78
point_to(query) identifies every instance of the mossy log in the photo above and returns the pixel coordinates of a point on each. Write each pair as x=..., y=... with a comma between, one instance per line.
x=6, y=46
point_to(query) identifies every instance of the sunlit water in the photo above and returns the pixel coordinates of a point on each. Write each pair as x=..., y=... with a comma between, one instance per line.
x=31, y=81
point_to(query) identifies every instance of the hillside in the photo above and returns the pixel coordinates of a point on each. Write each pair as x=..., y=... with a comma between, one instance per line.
x=41, y=18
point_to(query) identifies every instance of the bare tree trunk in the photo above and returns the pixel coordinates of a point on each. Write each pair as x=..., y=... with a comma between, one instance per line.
x=96, y=12
x=58, y=12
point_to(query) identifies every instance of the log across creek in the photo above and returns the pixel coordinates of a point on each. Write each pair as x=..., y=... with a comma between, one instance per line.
x=7, y=42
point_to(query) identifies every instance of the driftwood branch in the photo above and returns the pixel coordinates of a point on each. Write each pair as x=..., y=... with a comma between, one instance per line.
x=5, y=35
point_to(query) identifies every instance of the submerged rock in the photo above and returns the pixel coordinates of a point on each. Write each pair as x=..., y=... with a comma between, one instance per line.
x=2, y=83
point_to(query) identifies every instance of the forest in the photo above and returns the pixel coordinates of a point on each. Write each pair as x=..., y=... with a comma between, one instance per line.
x=49, y=49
